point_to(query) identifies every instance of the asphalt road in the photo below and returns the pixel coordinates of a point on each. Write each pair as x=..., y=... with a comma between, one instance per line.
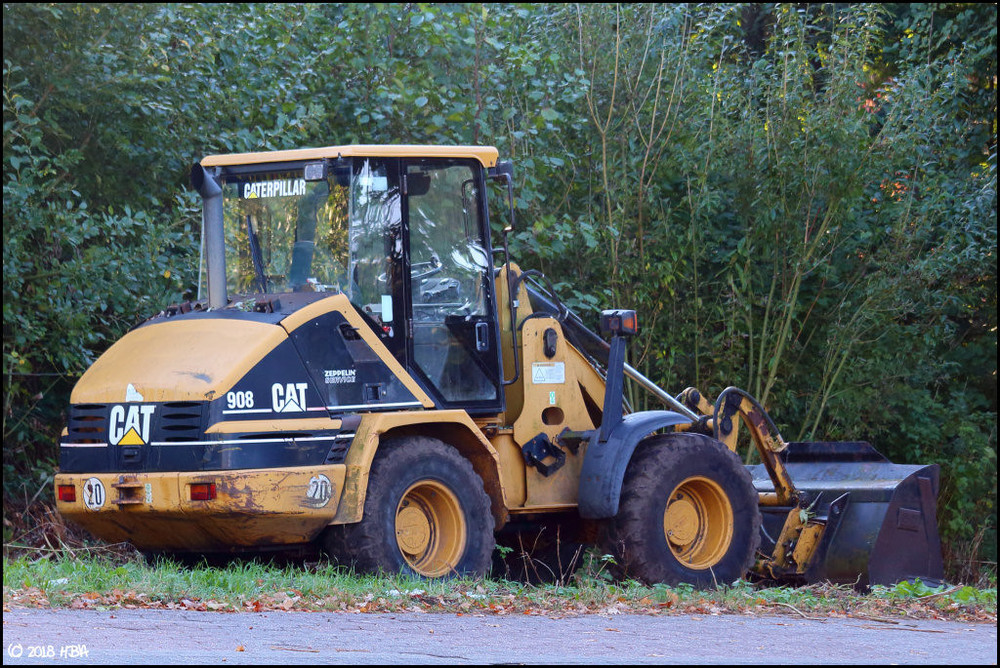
x=211, y=638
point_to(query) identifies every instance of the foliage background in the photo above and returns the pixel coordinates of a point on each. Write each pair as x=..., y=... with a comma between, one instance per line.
x=798, y=199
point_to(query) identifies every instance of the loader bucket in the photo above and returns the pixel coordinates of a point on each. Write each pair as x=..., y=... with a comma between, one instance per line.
x=881, y=517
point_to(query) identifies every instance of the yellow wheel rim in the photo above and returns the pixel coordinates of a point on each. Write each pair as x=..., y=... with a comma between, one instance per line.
x=430, y=529
x=698, y=523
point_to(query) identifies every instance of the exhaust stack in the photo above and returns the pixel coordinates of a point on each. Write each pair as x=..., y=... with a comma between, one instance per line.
x=213, y=235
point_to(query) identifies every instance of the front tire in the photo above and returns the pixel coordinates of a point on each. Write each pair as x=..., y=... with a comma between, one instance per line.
x=426, y=514
x=688, y=514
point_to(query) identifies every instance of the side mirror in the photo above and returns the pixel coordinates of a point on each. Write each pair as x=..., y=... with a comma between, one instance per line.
x=503, y=170
x=417, y=183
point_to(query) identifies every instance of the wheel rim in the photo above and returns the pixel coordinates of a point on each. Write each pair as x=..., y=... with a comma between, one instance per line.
x=430, y=528
x=698, y=523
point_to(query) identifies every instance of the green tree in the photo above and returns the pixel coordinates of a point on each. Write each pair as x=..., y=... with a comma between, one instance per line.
x=798, y=199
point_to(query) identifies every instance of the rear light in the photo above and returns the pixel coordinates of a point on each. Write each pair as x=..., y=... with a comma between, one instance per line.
x=203, y=491
x=67, y=493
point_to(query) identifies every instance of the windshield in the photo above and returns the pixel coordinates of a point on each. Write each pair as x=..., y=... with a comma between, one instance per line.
x=285, y=234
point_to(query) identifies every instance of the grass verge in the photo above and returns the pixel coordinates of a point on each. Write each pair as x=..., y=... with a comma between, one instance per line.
x=121, y=578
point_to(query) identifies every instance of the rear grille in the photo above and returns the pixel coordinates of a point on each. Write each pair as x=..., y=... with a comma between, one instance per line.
x=88, y=423
x=181, y=421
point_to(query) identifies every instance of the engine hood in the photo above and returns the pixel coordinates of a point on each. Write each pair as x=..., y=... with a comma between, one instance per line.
x=178, y=359
x=202, y=355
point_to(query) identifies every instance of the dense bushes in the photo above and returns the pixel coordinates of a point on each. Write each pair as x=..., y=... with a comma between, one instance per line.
x=800, y=200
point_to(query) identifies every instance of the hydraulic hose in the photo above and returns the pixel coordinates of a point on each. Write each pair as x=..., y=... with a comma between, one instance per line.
x=592, y=345
x=720, y=400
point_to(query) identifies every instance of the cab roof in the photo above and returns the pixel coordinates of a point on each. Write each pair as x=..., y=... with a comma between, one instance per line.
x=486, y=155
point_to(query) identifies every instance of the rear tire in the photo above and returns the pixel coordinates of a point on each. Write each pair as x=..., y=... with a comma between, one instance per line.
x=426, y=514
x=688, y=514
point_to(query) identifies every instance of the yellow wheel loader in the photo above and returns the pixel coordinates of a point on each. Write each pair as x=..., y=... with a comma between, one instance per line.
x=363, y=373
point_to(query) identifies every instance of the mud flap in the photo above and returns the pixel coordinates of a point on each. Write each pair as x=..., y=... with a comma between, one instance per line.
x=881, y=517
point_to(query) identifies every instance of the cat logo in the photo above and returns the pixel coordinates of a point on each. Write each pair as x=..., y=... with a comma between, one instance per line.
x=288, y=397
x=279, y=188
x=129, y=425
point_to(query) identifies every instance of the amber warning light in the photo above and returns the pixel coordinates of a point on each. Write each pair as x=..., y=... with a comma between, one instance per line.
x=619, y=322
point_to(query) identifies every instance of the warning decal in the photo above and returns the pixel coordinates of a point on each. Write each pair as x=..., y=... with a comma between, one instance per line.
x=548, y=373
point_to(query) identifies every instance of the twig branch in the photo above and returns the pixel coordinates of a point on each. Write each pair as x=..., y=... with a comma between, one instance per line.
x=787, y=605
x=940, y=593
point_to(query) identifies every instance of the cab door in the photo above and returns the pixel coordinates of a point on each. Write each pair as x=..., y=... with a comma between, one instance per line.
x=450, y=298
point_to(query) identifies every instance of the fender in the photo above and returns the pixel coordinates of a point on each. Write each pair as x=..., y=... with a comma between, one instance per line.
x=605, y=462
x=455, y=427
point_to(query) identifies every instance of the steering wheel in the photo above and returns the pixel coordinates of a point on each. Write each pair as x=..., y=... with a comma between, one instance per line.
x=420, y=270
x=415, y=273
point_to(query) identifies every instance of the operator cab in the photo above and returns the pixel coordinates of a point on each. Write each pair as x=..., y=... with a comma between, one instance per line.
x=405, y=239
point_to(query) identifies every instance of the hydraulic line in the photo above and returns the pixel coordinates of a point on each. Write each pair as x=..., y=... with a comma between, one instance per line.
x=719, y=401
x=589, y=343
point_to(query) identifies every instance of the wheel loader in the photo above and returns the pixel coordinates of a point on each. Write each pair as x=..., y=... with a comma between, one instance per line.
x=365, y=372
